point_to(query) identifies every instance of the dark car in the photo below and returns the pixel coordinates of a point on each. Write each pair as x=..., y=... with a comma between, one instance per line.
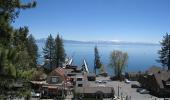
x=138, y=89
x=135, y=86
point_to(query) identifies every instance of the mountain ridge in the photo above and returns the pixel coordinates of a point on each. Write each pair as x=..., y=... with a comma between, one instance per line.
x=42, y=40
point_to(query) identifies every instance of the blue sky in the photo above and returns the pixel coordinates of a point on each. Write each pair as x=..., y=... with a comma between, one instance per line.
x=124, y=20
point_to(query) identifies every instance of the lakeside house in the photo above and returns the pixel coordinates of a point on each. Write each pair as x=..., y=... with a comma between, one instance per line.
x=58, y=83
x=156, y=81
x=93, y=89
x=135, y=76
x=73, y=80
x=86, y=86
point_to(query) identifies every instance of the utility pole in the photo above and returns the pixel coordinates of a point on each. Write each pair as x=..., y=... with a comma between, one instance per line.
x=118, y=91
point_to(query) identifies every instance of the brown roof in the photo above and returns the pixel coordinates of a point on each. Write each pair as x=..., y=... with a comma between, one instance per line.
x=60, y=72
x=153, y=70
x=162, y=76
x=96, y=89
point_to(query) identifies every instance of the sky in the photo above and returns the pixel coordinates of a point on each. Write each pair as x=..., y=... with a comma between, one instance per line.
x=92, y=20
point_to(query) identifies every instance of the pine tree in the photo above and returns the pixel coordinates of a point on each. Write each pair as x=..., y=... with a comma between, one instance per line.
x=10, y=10
x=8, y=58
x=19, y=39
x=32, y=49
x=164, y=53
x=59, y=51
x=20, y=43
x=97, y=62
x=11, y=48
x=49, y=50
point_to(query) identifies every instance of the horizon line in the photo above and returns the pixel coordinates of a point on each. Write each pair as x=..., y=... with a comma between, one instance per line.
x=106, y=41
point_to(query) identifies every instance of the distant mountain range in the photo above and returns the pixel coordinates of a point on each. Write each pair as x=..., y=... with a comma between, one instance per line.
x=101, y=42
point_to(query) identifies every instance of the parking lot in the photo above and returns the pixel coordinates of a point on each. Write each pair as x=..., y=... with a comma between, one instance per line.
x=126, y=90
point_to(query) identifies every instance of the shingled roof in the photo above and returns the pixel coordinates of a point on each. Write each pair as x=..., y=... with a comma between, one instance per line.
x=153, y=70
x=58, y=72
x=162, y=76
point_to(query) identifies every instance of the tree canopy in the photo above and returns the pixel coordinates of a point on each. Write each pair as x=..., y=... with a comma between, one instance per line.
x=15, y=54
x=59, y=51
x=164, y=52
x=54, y=51
x=49, y=50
x=97, y=62
x=118, y=61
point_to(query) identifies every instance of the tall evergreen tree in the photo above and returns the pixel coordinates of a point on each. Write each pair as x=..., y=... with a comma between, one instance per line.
x=19, y=39
x=9, y=12
x=97, y=62
x=20, y=42
x=32, y=50
x=164, y=53
x=59, y=51
x=10, y=48
x=49, y=50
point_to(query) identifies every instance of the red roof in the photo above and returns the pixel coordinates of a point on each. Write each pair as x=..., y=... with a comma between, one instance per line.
x=60, y=72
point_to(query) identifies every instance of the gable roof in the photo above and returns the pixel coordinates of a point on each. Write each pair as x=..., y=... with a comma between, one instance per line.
x=153, y=70
x=58, y=72
x=162, y=76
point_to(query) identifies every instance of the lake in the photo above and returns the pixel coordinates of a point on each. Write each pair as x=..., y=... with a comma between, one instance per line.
x=141, y=57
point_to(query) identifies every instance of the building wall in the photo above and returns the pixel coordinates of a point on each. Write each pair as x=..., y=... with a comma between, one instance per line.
x=105, y=92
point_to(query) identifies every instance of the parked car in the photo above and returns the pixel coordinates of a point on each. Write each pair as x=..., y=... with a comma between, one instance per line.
x=104, y=82
x=98, y=81
x=36, y=94
x=144, y=91
x=135, y=86
x=138, y=89
x=101, y=82
x=127, y=81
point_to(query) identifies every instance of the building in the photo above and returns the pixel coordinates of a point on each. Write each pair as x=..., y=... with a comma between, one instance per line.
x=86, y=87
x=157, y=82
x=57, y=83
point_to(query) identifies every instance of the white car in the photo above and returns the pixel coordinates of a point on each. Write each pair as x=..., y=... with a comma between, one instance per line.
x=127, y=81
x=35, y=94
x=144, y=91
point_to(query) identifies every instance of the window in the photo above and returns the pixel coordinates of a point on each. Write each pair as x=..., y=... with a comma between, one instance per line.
x=54, y=79
x=80, y=85
x=79, y=79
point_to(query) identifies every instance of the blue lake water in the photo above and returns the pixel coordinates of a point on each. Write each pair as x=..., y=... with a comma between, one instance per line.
x=141, y=57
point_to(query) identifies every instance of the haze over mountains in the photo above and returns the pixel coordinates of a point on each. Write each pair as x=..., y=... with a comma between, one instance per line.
x=42, y=40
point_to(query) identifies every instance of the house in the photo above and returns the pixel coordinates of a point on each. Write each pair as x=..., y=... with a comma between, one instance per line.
x=86, y=88
x=56, y=83
x=91, y=89
x=153, y=70
x=162, y=86
x=156, y=81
